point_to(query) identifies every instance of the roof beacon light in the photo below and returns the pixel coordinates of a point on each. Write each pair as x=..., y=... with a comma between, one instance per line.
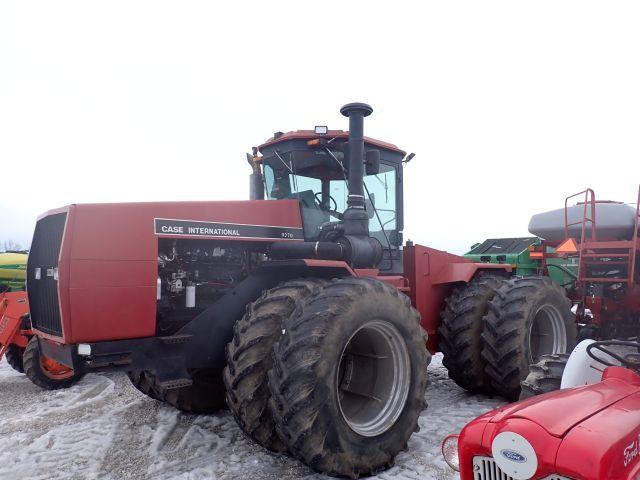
x=321, y=129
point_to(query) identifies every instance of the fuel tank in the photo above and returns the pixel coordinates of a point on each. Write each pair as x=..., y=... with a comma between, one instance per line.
x=614, y=221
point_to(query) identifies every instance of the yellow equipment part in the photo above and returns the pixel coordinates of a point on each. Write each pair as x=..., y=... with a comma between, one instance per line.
x=13, y=269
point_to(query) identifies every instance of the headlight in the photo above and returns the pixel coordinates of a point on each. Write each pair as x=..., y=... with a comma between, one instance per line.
x=514, y=455
x=450, y=452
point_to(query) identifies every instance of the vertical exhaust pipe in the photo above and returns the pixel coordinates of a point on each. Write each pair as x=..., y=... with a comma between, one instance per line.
x=356, y=113
x=355, y=218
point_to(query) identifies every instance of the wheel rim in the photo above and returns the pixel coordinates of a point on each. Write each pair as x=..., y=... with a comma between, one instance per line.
x=373, y=378
x=547, y=333
x=55, y=370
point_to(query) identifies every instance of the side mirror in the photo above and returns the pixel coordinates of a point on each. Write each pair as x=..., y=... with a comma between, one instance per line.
x=395, y=238
x=372, y=162
x=369, y=206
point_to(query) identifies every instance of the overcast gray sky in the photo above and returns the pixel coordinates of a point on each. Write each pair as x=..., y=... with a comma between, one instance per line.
x=509, y=106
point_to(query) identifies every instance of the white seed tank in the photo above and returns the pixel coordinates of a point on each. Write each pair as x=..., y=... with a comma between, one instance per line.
x=614, y=221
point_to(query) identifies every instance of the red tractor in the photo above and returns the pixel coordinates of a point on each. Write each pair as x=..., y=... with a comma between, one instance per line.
x=582, y=432
x=15, y=330
x=298, y=309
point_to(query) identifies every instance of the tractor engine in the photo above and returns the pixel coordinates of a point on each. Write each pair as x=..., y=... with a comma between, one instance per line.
x=194, y=274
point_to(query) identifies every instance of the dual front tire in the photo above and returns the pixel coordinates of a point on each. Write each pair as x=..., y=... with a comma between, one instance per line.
x=337, y=379
x=349, y=377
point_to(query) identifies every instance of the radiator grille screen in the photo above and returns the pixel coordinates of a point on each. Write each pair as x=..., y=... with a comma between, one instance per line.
x=42, y=274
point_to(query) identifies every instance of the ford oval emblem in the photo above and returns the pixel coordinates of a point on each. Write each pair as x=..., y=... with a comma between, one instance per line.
x=513, y=456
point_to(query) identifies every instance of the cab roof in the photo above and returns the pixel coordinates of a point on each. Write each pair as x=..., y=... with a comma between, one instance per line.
x=340, y=134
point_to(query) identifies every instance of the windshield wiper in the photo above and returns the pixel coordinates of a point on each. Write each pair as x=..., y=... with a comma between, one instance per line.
x=283, y=162
x=290, y=168
x=344, y=171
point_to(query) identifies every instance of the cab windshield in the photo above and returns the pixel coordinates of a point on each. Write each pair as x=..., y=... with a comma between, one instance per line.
x=322, y=189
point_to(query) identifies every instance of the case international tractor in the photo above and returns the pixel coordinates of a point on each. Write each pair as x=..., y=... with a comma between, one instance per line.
x=300, y=309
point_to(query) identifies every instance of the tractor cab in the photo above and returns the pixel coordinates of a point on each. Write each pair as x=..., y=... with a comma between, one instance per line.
x=312, y=166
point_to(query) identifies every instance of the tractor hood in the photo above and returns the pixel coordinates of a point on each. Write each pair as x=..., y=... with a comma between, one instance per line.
x=559, y=412
x=584, y=432
x=86, y=258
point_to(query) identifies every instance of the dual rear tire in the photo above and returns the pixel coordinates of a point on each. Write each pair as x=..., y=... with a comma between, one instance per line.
x=461, y=332
x=494, y=328
x=529, y=317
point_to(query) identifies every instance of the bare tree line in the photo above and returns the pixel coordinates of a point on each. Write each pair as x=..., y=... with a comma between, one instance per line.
x=11, y=246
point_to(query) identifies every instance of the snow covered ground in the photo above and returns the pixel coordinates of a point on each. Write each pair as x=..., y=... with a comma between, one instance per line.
x=104, y=428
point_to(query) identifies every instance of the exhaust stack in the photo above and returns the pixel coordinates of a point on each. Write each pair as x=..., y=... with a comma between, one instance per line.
x=356, y=221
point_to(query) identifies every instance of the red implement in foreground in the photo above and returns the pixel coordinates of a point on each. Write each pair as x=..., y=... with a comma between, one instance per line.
x=19, y=346
x=589, y=432
x=14, y=333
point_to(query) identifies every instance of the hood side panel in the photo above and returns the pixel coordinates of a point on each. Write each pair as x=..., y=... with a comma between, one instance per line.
x=559, y=411
x=606, y=445
x=109, y=267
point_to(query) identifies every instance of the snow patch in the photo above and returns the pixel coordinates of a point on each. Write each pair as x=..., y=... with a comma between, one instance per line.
x=104, y=428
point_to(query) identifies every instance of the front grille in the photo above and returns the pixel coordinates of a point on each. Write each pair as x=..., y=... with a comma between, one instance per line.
x=43, y=262
x=485, y=468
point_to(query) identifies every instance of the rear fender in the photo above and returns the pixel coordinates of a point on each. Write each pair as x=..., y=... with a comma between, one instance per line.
x=464, y=272
x=314, y=268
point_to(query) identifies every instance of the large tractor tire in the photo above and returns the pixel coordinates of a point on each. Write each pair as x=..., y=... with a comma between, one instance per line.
x=46, y=372
x=349, y=377
x=544, y=376
x=249, y=359
x=14, y=354
x=528, y=317
x=461, y=332
x=205, y=395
